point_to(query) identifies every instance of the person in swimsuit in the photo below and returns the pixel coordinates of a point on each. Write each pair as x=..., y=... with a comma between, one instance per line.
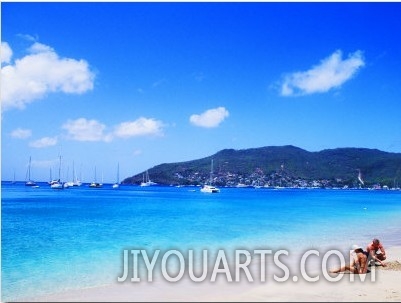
x=358, y=263
x=375, y=251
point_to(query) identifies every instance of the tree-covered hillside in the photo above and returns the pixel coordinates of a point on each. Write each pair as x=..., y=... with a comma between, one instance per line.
x=283, y=166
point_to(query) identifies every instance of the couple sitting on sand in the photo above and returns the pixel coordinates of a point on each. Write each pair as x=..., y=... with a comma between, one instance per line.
x=359, y=258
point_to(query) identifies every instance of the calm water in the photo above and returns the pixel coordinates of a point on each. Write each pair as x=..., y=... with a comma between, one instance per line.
x=55, y=240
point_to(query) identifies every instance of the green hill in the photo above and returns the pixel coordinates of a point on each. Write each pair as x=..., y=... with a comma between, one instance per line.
x=283, y=166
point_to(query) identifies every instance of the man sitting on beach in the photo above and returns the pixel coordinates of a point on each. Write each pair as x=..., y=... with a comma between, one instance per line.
x=358, y=264
x=375, y=251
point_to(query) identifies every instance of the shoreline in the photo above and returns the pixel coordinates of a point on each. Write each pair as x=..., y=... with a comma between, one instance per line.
x=385, y=287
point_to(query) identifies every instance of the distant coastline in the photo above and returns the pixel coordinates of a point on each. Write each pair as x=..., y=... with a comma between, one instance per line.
x=285, y=167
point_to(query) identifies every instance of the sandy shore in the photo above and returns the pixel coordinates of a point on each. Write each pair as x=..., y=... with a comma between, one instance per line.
x=382, y=284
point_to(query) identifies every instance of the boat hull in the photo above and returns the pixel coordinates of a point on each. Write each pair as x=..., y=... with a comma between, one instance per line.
x=209, y=189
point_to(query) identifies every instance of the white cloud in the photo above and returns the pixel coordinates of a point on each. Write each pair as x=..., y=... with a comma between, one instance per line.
x=6, y=53
x=92, y=130
x=28, y=37
x=42, y=72
x=21, y=133
x=86, y=130
x=137, y=152
x=210, y=118
x=44, y=142
x=159, y=82
x=140, y=127
x=330, y=73
x=38, y=48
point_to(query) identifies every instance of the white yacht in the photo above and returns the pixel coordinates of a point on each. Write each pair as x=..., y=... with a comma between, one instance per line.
x=95, y=184
x=117, y=184
x=57, y=184
x=29, y=182
x=209, y=188
x=146, y=180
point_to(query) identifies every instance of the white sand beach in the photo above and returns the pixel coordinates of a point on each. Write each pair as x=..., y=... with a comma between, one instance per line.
x=384, y=288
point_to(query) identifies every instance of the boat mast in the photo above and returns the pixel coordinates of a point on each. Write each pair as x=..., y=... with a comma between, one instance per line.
x=29, y=169
x=211, y=173
x=74, y=179
x=118, y=172
x=59, y=170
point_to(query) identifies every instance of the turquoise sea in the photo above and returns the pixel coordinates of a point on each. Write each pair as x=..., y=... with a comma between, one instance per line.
x=57, y=240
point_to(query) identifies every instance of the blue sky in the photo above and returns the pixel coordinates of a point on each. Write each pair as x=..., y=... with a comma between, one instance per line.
x=142, y=84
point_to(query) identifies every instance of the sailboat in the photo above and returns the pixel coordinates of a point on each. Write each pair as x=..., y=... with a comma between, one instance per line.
x=52, y=181
x=95, y=184
x=13, y=181
x=146, y=180
x=209, y=188
x=69, y=183
x=58, y=184
x=116, y=185
x=76, y=181
x=29, y=182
